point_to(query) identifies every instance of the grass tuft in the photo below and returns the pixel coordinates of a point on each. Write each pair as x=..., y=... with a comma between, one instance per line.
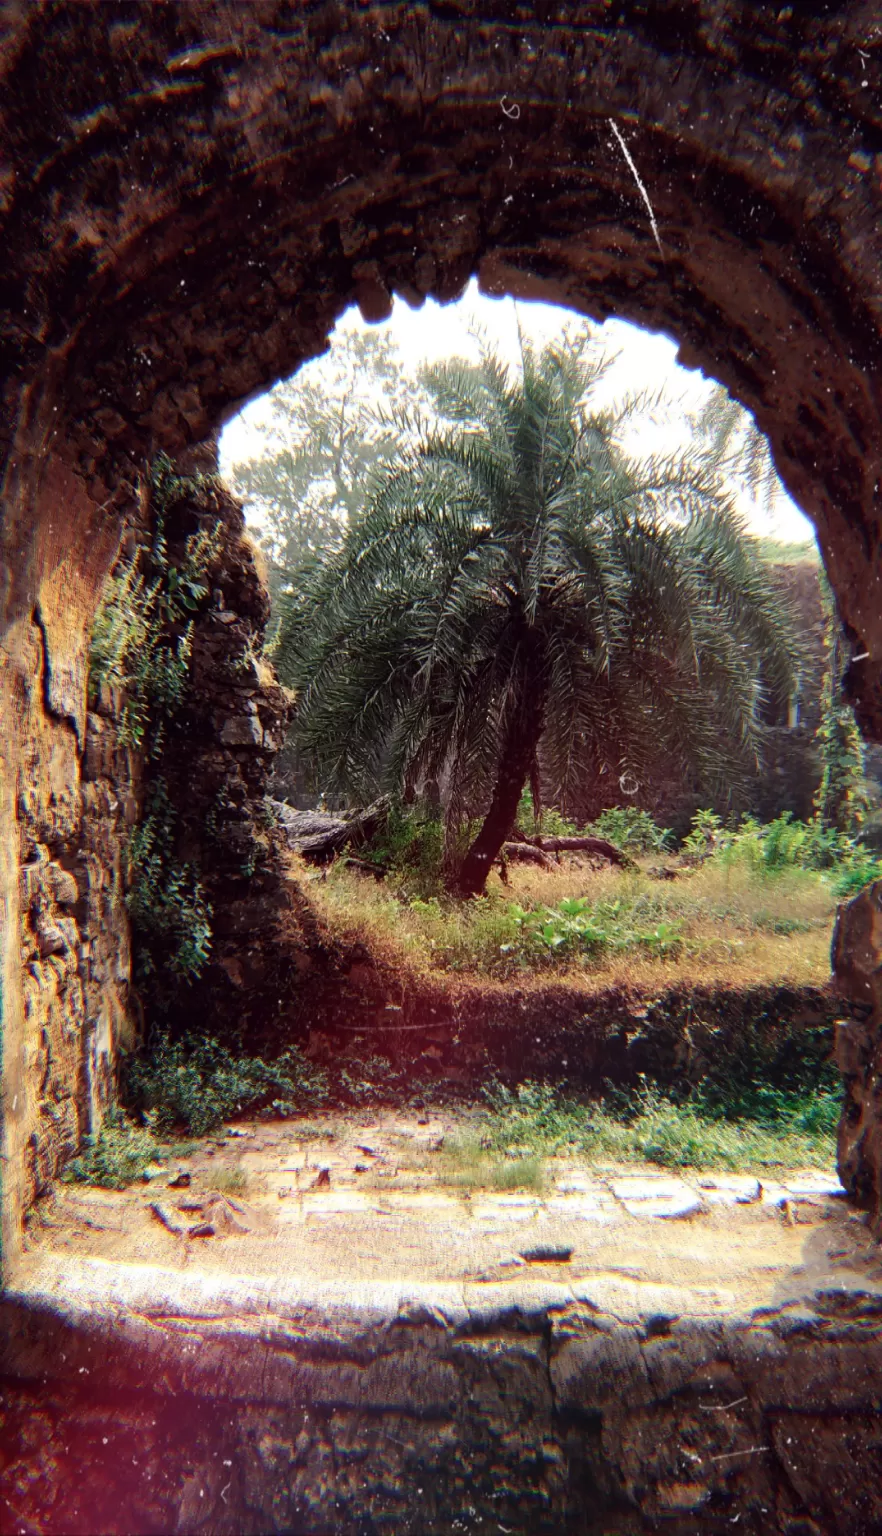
x=465, y=1163
x=228, y=1181
x=764, y=1128
x=116, y=1157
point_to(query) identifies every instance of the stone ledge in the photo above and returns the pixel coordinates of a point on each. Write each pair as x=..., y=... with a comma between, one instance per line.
x=522, y=1388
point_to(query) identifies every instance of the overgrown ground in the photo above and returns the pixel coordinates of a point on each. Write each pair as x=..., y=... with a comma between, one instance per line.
x=508, y=1140
x=719, y=922
x=671, y=1012
x=762, y=1129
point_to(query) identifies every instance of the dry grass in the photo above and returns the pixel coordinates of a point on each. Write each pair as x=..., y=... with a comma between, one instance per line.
x=228, y=1180
x=735, y=925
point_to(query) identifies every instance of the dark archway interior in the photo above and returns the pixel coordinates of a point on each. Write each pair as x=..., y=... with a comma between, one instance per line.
x=193, y=194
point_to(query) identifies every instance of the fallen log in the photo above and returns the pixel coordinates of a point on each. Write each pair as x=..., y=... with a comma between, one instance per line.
x=598, y=847
x=526, y=853
x=319, y=838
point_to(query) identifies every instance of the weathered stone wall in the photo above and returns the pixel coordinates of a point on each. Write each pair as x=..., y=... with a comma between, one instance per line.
x=73, y=930
x=213, y=765
x=81, y=796
x=157, y=1402
x=857, y=970
x=190, y=195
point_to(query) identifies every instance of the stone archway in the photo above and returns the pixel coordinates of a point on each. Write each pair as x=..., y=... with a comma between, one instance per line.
x=192, y=194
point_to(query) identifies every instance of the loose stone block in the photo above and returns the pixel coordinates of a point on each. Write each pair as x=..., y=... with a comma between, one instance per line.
x=666, y=1199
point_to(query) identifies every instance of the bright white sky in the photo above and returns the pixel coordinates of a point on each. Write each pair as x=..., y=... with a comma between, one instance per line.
x=647, y=361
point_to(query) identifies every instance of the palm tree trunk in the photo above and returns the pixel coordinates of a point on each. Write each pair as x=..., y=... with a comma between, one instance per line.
x=518, y=756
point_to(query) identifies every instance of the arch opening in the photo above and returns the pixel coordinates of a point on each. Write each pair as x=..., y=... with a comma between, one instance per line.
x=200, y=239
x=187, y=210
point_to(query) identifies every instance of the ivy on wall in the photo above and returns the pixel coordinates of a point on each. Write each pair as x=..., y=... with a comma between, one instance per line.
x=841, y=800
x=141, y=645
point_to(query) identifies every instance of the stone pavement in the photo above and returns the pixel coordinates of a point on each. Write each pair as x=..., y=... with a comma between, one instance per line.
x=390, y=1196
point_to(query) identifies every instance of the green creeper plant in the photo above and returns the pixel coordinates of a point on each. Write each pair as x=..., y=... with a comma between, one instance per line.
x=143, y=632
x=166, y=899
x=141, y=644
x=840, y=802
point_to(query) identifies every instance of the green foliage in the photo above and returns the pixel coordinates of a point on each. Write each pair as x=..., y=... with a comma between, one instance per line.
x=719, y=917
x=764, y=1128
x=168, y=486
x=518, y=556
x=124, y=629
x=785, y=844
x=549, y=823
x=632, y=830
x=142, y=635
x=853, y=876
x=841, y=799
x=502, y=936
x=141, y=644
x=165, y=898
x=780, y=844
x=706, y=835
x=194, y=1084
x=578, y=926
x=628, y=828
x=411, y=847
x=116, y=1157
x=132, y=650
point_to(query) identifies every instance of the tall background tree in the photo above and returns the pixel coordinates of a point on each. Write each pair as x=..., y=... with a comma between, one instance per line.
x=521, y=599
x=331, y=426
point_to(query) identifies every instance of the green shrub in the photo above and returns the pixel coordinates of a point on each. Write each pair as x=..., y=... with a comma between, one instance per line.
x=852, y=877
x=194, y=1084
x=411, y=846
x=117, y=1156
x=165, y=898
x=632, y=830
x=771, y=849
x=579, y=926
x=706, y=836
x=550, y=823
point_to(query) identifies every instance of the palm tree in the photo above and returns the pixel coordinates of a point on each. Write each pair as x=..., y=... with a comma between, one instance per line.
x=735, y=446
x=521, y=599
